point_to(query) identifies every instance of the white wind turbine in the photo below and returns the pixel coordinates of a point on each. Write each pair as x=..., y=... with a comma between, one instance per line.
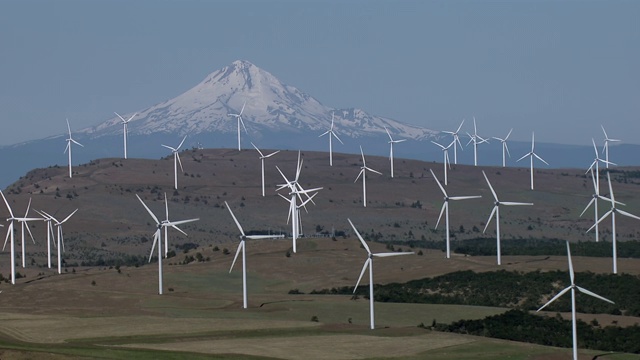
x=445, y=161
x=363, y=173
x=176, y=161
x=596, y=162
x=496, y=211
x=239, y=118
x=295, y=191
x=613, y=212
x=332, y=133
x=594, y=201
x=60, y=240
x=369, y=263
x=573, y=288
x=445, y=208
x=241, y=247
x=125, y=123
x=48, y=219
x=23, y=223
x=11, y=221
x=606, y=145
x=391, y=142
x=456, y=139
x=476, y=140
x=262, y=157
x=157, y=236
x=505, y=148
x=531, y=155
x=68, y=148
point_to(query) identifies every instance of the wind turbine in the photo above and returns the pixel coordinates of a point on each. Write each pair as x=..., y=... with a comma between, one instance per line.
x=124, y=124
x=363, y=173
x=475, y=139
x=606, y=145
x=573, y=288
x=48, y=219
x=505, y=148
x=58, y=224
x=496, y=211
x=68, y=148
x=239, y=118
x=157, y=236
x=23, y=221
x=531, y=154
x=445, y=208
x=176, y=160
x=613, y=212
x=10, y=233
x=331, y=132
x=445, y=161
x=262, y=157
x=456, y=139
x=391, y=142
x=596, y=163
x=594, y=201
x=369, y=263
x=295, y=191
x=241, y=247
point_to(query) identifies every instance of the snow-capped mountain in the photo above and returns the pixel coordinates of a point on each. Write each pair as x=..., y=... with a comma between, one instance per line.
x=270, y=106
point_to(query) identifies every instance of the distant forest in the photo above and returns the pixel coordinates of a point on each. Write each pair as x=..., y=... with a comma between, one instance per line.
x=531, y=247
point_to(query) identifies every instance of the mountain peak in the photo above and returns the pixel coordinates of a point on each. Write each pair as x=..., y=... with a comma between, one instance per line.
x=270, y=106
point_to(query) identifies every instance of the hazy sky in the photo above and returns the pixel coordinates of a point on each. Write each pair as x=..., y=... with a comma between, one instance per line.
x=560, y=68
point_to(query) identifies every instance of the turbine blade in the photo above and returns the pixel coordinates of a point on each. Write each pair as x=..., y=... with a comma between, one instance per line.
x=364, y=268
x=155, y=239
x=571, y=274
x=259, y=237
x=539, y=158
x=585, y=291
x=234, y=219
x=490, y=187
x=181, y=142
x=444, y=205
x=511, y=203
x=68, y=217
x=587, y=207
x=258, y=150
x=489, y=220
x=240, y=246
x=555, y=297
x=364, y=244
x=6, y=203
x=148, y=210
x=392, y=254
x=465, y=197
x=627, y=214
x=172, y=223
x=175, y=227
x=30, y=234
x=179, y=161
x=336, y=136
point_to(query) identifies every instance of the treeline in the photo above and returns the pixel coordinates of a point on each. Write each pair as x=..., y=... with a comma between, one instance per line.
x=530, y=247
x=518, y=325
x=512, y=289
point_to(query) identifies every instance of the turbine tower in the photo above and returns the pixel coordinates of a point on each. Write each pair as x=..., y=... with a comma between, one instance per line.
x=369, y=263
x=332, y=133
x=262, y=157
x=456, y=139
x=363, y=173
x=125, y=123
x=445, y=161
x=613, y=212
x=445, y=208
x=505, y=148
x=572, y=287
x=176, y=161
x=241, y=247
x=531, y=154
x=496, y=211
x=68, y=148
x=607, y=140
x=239, y=118
x=476, y=140
x=391, y=142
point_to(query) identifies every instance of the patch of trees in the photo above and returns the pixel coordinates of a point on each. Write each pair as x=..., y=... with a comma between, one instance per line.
x=124, y=260
x=512, y=289
x=518, y=325
x=529, y=247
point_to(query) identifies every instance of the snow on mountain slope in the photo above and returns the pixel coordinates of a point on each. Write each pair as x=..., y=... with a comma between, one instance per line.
x=270, y=105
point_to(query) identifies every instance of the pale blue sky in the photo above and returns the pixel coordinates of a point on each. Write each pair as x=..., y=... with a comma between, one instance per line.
x=560, y=68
